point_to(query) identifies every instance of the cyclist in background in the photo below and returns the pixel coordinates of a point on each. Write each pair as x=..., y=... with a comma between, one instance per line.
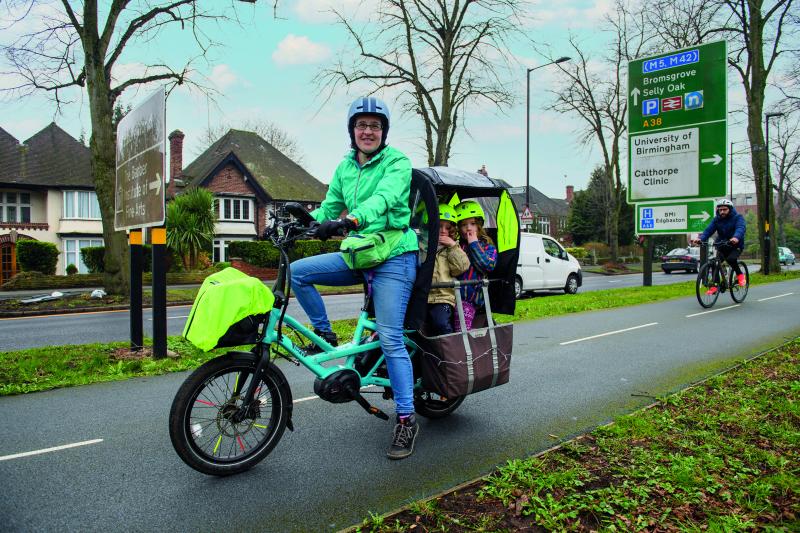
x=729, y=226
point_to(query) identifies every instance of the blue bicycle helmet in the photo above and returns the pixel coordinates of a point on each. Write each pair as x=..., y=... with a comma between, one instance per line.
x=368, y=105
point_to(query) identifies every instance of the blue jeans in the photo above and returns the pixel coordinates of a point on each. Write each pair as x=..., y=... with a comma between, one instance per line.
x=391, y=289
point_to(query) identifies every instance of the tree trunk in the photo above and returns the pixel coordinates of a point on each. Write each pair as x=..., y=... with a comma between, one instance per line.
x=116, y=278
x=755, y=133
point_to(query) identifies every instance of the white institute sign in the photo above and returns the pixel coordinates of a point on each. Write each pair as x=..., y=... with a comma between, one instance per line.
x=665, y=164
x=660, y=218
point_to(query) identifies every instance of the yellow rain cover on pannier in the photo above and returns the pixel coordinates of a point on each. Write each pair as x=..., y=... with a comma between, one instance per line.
x=224, y=299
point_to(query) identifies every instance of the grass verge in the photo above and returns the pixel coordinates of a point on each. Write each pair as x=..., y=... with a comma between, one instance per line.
x=39, y=369
x=723, y=455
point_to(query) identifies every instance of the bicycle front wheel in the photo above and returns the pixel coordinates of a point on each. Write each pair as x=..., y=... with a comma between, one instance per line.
x=706, y=289
x=206, y=425
x=739, y=292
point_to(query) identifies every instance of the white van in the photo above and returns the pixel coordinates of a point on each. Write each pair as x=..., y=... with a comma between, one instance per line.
x=545, y=265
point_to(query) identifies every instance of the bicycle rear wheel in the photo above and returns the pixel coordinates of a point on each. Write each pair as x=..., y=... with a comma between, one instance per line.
x=706, y=289
x=432, y=405
x=203, y=424
x=739, y=292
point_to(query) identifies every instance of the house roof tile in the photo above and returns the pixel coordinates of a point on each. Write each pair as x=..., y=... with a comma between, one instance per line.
x=51, y=158
x=279, y=176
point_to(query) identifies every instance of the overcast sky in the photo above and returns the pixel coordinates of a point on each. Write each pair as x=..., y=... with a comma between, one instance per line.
x=266, y=71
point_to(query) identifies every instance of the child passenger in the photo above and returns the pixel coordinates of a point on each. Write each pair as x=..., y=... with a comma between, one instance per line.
x=482, y=256
x=451, y=261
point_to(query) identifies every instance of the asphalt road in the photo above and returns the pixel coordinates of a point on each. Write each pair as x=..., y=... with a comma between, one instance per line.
x=569, y=373
x=108, y=326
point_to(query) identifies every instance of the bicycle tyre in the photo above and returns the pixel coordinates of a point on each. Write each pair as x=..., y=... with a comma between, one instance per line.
x=200, y=429
x=434, y=406
x=739, y=293
x=704, y=282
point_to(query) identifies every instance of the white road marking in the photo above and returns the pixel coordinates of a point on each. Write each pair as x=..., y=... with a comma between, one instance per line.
x=609, y=333
x=714, y=310
x=170, y=317
x=778, y=296
x=615, y=281
x=48, y=450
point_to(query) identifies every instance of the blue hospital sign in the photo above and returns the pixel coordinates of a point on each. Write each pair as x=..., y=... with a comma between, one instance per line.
x=650, y=107
x=693, y=100
x=647, y=221
x=647, y=213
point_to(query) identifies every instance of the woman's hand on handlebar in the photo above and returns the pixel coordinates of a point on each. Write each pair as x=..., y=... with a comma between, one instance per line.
x=331, y=228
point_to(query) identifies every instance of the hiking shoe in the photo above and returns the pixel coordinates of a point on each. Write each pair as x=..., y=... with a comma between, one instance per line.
x=403, y=437
x=712, y=291
x=329, y=336
x=741, y=280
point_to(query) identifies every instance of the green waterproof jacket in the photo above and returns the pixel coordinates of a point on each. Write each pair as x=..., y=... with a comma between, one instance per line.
x=376, y=194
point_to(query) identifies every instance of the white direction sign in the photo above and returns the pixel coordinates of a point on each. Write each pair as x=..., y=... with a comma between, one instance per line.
x=665, y=164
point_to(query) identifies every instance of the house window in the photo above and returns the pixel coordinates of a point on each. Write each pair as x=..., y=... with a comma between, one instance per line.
x=81, y=205
x=748, y=200
x=72, y=252
x=237, y=209
x=544, y=225
x=221, y=249
x=15, y=207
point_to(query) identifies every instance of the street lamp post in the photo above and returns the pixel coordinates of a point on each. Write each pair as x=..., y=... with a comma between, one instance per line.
x=767, y=195
x=528, y=129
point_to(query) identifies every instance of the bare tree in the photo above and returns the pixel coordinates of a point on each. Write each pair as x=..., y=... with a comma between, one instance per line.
x=441, y=55
x=758, y=28
x=755, y=31
x=785, y=154
x=598, y=95
x=269, y=131
x=79, y=45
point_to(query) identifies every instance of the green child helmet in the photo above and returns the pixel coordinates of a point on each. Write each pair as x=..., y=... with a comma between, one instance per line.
x=469, y=209
x=448, y=213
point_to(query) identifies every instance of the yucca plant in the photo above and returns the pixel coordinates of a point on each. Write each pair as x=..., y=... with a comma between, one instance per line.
x=190, y=224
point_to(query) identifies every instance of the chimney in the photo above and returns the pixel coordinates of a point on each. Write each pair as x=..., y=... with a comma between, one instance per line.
x=483, y=171
x=175, y=160
x=570, y=193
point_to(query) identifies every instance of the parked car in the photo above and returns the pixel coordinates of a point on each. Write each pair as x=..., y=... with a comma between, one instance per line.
x=785, y=256
x=687, y=259
x=545, y=265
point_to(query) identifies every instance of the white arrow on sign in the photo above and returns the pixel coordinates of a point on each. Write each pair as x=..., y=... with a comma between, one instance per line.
x=715, y=160
x=156, y=184
x=702, y=216
x=635, y=93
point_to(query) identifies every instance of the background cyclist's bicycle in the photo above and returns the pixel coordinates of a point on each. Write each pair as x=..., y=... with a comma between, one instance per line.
x=717, y=276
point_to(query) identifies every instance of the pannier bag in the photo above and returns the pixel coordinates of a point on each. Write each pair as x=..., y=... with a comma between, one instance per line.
x=227, y=310
x=462, y=363
x=368, y=250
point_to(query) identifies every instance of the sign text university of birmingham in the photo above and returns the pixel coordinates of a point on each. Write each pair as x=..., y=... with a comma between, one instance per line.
x=660, y=144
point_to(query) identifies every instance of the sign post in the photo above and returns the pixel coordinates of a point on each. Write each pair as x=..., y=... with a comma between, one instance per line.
x=140, y=203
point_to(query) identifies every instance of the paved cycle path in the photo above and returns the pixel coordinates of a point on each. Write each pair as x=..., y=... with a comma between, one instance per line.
x=568, y=374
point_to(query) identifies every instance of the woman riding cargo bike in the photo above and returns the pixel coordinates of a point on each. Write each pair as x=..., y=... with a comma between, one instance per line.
x=231, y=412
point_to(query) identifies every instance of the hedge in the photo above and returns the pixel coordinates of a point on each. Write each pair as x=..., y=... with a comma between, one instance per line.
x=264, y=254
x=93, y=258
x=37, y=256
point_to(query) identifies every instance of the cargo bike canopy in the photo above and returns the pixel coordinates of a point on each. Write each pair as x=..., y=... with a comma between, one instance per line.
x=434, y=185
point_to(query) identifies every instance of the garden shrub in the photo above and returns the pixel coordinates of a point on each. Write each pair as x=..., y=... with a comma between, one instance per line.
x=71, y=270
x=37, y=256
x=264, y=254
x=578, y=252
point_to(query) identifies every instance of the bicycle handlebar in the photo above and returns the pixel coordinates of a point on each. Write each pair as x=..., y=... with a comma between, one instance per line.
x=465, y=283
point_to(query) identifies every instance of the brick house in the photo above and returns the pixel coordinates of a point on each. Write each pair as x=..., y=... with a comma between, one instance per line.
x=248, y=177
x=47, y=193
x=549, y=214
